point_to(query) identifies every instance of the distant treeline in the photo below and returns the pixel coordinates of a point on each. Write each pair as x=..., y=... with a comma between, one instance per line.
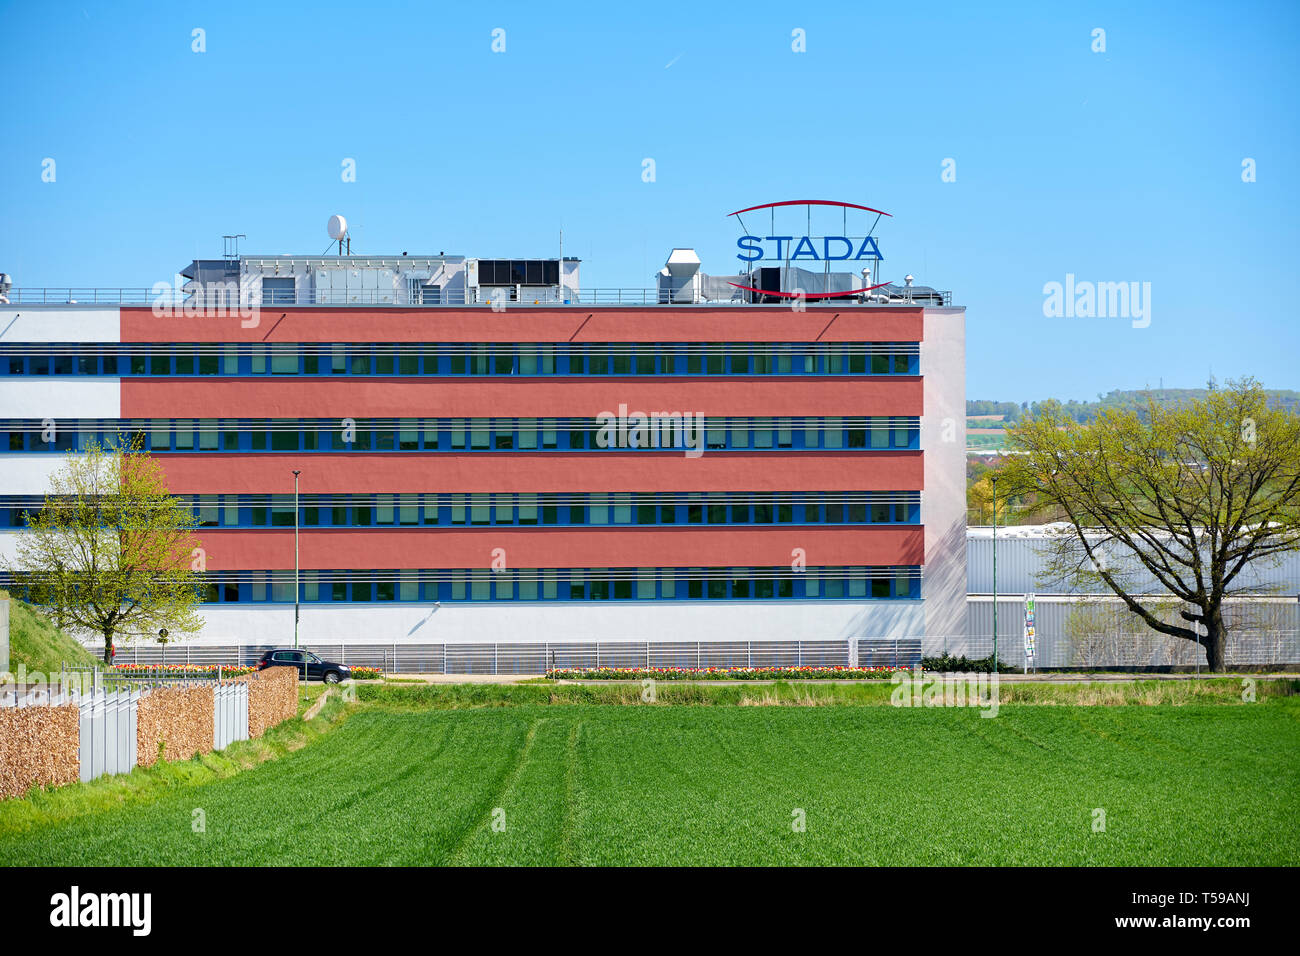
x=1133, y=400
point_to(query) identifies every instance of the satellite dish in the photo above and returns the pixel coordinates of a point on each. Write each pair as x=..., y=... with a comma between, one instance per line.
x=338, y=227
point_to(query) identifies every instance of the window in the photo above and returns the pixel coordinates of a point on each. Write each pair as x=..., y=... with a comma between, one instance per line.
x=208, y=512
x=879, y=428
x=407, y=510
x=479, y=509
x=282, y=511
x=528, y=509
x=535, y=272
x=279, y=291
x=282, y=586
x=284, y=360
x=208, y=434
x=284, y=440
x=504, y=509
x=408, y=437
x=361, y=511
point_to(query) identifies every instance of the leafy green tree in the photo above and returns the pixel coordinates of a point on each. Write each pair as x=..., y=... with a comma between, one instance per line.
x=1193, y=493
x=111, y=551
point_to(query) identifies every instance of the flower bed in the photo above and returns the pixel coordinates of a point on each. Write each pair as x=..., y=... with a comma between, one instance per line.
x=180, y=670
x=722, y=673
x=210, y=670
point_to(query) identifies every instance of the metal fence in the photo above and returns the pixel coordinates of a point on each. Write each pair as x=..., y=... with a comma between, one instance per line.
x=511, y=296
x=106, y=729
x=1070, y=634
x=229, y=714
x=108, y=722
x=536, y=658
x=1101, y=632
x=151, y=674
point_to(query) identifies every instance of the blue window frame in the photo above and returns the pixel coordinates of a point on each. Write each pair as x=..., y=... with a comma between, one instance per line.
x=188, y=436
x=524, y=359
x=479, y=585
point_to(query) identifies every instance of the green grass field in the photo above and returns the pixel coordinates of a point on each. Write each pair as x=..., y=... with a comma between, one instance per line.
x=398, y=782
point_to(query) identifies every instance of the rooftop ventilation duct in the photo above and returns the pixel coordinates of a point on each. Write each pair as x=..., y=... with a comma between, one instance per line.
x=679, y=279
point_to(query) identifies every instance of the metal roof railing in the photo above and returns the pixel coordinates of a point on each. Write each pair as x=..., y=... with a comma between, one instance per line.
x=518, y=296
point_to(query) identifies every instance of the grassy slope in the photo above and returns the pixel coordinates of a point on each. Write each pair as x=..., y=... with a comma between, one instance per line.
x=583, y=783
x=37, y=644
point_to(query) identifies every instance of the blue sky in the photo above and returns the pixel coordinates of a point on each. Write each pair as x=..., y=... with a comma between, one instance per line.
x=1116, y=166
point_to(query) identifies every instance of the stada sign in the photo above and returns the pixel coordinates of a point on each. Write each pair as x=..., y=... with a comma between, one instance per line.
x=803, y=248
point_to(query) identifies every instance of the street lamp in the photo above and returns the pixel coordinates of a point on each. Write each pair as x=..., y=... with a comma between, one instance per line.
x=296, y=473
x=994, y=480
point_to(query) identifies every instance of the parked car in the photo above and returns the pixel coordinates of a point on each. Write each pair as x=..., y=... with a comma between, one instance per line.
x=310, y=667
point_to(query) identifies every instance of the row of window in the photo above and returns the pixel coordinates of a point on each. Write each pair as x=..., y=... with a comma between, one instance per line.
x=501, y=359
x=451, y=510
x=466, y=434
x=567, y=584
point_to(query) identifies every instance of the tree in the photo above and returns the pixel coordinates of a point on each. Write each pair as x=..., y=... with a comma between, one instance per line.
x=1193, y=493
x=979, y=501
x=111, y=551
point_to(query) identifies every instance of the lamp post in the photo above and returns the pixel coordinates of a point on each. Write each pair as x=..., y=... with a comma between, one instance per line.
x=994, y=480
x=296, y=473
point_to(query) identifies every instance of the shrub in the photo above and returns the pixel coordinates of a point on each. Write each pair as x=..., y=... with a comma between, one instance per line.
x=962, y=665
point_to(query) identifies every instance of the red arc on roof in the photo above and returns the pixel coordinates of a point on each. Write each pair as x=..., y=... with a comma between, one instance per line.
x=810, y=202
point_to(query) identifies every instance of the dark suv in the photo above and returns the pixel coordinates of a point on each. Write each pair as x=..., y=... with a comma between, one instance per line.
x=312, y=669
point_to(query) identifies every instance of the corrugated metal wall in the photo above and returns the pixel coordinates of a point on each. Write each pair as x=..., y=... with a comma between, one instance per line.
x=1021, y=563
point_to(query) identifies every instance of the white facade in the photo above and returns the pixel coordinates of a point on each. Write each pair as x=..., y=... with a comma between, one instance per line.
x=70, y=323
x=943, y=501
x=61, y=396
x=24, y=473
x=578, y=622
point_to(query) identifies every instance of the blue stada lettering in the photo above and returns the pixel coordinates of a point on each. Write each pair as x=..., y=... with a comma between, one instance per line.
x=830, y=248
